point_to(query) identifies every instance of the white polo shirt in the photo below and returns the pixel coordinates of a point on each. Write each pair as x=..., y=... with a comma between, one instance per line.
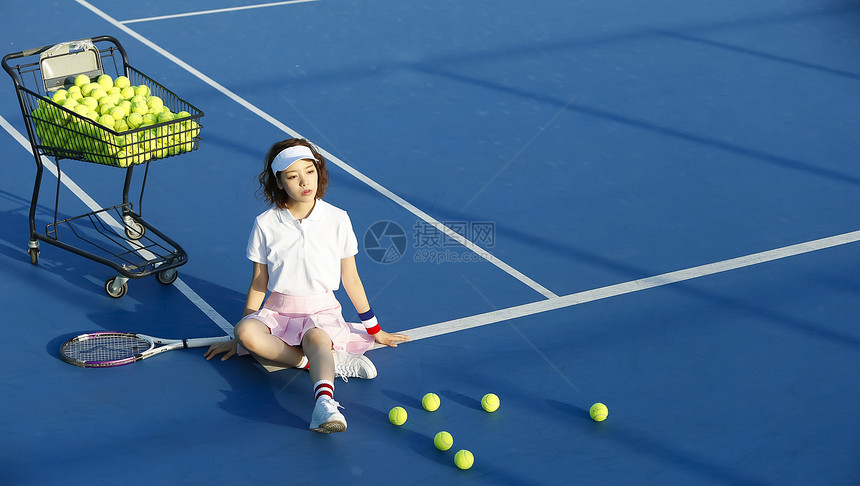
x=303, y=258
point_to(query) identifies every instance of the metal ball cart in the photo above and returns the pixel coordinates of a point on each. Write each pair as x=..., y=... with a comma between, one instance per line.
x=115, y=236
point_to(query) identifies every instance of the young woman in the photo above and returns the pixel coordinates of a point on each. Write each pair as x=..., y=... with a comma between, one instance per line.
x=302, y=248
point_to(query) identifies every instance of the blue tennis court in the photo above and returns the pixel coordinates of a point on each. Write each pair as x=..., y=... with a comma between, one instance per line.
x=649, y=205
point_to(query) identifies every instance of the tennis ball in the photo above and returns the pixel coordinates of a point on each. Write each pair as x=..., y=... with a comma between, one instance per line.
x=490, y=402
x=117, y=112
x=443, y=441
x=397, y=416
x=107, y=121
x=155, y=103
x=598, y=412
x=89, y=102
x=122, y=82
x=165, y=116
x=194, y=127
x=105, y=81
x=134, y=120
x=81, y=79
x=464, y=459
x=69, y=103
x=112, y=98
x=127, y=93
x=430, y=402
x=139, y=107
x=124, y=159
x=142, y=90
x=59, y=95
x=97, y=92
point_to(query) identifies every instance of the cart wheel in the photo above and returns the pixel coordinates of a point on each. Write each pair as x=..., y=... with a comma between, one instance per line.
x=34, y=255
x=135, y=232
x=113, y=290
x=167, y=277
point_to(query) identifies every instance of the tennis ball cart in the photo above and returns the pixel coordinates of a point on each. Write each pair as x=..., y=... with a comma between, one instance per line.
x=82, y=101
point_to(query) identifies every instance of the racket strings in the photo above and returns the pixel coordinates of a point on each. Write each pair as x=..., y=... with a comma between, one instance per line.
x=104, y=348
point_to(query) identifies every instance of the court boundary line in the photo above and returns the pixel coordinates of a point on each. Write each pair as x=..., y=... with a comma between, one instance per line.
x=624, y=288
x=486, y=255
x=214, y=11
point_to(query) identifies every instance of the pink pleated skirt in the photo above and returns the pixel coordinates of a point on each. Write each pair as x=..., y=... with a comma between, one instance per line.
x=290, y=317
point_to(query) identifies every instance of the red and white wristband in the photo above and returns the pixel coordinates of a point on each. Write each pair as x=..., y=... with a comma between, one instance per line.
x=370, y=322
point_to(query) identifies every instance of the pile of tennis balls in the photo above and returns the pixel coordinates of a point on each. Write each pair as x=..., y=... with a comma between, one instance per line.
x=443, y=440
x=116, y=105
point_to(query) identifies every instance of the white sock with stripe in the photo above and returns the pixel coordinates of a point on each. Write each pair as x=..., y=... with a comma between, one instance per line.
x=323, y=388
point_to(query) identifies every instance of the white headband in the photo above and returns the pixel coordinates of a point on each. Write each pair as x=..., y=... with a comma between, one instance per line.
x=289, y=156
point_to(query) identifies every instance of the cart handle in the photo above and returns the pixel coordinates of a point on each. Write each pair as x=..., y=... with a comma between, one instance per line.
x=39, y=50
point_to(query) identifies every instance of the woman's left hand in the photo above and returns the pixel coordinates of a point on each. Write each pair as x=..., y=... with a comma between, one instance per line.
x=390, y=339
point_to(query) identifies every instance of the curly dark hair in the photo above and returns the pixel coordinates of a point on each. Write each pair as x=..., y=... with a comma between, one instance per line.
x=269, y=181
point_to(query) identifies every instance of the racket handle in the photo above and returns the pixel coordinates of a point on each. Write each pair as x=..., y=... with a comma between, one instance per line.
x=203, y=342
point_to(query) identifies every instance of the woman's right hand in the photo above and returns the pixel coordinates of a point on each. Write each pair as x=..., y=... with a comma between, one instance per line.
x=226, y=347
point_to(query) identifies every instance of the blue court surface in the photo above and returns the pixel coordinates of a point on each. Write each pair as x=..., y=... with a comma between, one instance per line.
x=653, y=205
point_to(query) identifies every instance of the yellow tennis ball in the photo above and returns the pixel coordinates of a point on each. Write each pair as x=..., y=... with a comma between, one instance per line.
x=105, y=81
x=134, y=120
x=139, y=107
x=127, y=93
x=598, y=412
x=464, y=459
x=490, y=402
x=443, y=441
x=155, y=103
x=117, y=113
x=430, y=402
x=97, y=92
x=107, y=121
x=89, y=102
x=121, y=82
x=165, y=116
x=397, y=416
x=81, y=79
x=59, y=95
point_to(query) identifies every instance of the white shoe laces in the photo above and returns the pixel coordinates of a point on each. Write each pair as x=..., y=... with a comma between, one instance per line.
x=346, y=366
x=330, y=405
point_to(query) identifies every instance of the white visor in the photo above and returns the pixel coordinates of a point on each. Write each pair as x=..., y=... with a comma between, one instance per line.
x=289, y=156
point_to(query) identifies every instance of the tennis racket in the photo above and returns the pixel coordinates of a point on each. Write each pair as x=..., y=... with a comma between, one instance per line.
x=106, y=349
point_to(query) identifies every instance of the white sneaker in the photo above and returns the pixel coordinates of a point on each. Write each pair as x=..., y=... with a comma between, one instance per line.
x=326, y=419
x=347, y=365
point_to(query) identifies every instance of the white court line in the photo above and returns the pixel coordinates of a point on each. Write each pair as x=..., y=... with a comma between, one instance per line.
x=343, y=165
x=629, y=287
x=91, y=203
x=220, y=10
